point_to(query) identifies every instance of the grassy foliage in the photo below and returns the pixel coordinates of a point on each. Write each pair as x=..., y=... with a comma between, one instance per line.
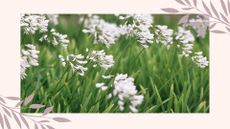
x=169, y=83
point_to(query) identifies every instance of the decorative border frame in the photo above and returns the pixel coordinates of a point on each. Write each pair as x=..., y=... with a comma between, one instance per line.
x=7, y=112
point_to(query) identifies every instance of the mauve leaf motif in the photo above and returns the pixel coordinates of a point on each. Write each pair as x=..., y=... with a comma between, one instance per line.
x=59, y=119
x=224, y=18
x=21, y=119
x=170, y=10
x=7, y=122
x=6, y=111
x=214, y=10
x=48, y=110
x=16, y=119
x=183, y=19
x=35, y=126
x=187, y=1
x=43, y=127
x=28, y=99
x=19, y=103
x=36, y=106
x=44, y=121
x=13, y=98
x=24, y=121
x=224, y=7
x=212, y=26
x=1, y=121
x=227, y=28
x=195, y=3
x=187, y=8
x=206, y=8
x=229, y=6
x=218, y=31
x=50, y=127
x=2, y=100
x=180, y=2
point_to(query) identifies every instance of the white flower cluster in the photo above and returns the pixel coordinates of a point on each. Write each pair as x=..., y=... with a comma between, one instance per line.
x=53, y=18
x=186, y=38
x=56, y=38
x=102, y=86
x=140, y=27
x=200, y=25
x=29, y=57
x=103, y=32
x=100, y=58
x=164, y=35
x=59, y=38
x=200, y=60
x=125, y=89
x=76, y=62
x=32, y=23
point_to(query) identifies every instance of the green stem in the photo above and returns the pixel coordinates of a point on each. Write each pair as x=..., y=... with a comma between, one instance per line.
x=117, y=60
x=58, y=83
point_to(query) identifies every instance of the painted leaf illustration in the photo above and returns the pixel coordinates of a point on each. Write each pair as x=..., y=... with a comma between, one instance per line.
x=44, y=121
x=206, y=8
x=214, y=10
x=59, y=119
x=24, y=121
x=228, y=6
x=1, y=121
x=6, y=111
x=50, y=127
x=36, y=106
x=19, y=103
x=228, y=29
x=195, y=2
x=218, y=31
x=28, y=99
x=183, y=19
x=2, y=100
x=187, y=8
x=180, y=2
x=7, y=122
x=35, y=126
x=48, y=110
x=170, y=10
x=224, y=18
x=16, y=119
x=43, y=127
x=187, y=1
x=224, y=7
x=212, y=26
x=13, y=98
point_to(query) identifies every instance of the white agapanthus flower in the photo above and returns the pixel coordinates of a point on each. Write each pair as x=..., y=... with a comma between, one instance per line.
x=31, y=23
x=164, y=35
x=102, y=86
x=100, y=58
x=141, y=27
x=76, y=62
x=58, y=38
x=107, y=76
x=53, y=18
x=186, y=39
x=103, y=32
x=29, y=57
x=200, y=25
x=125, y=89
x=23, y=66
x=200, y=60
